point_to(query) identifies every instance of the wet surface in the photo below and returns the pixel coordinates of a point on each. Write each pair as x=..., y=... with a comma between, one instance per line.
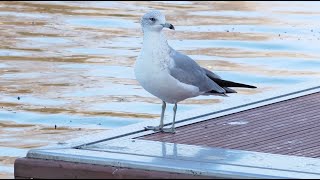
x=70, y=64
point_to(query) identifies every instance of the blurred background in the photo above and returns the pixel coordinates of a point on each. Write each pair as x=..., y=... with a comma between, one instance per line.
x=66, y=68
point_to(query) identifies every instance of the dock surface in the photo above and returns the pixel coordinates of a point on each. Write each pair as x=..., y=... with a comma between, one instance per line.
x=274, y=137
x=290, y=127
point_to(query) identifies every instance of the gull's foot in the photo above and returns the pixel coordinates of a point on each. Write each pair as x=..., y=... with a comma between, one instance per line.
x=154, y=128
x=168, y=130
x=157, y=128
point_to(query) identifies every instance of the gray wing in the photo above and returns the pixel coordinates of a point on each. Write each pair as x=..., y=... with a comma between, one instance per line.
x=187, y=71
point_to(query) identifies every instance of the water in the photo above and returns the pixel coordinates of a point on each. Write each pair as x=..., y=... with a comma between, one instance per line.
x=71, y=63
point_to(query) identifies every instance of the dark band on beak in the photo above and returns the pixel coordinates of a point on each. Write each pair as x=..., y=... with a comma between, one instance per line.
x=168, y=25
x=171, y=27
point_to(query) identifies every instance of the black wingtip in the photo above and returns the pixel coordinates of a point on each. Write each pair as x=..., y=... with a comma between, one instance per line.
x=249, y=86
x=225, y=83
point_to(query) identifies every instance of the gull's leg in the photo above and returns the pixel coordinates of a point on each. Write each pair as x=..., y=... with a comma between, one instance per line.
x=172, y=129
x=160, y=127
x=162, y=114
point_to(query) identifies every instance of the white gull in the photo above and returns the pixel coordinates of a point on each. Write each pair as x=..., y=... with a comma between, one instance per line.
x=170, y=75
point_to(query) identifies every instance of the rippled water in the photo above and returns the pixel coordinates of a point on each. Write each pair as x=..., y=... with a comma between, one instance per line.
x=71, y=63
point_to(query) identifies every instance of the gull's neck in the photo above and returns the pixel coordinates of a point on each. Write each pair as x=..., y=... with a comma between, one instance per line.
x=153, y=40
x=155, y=50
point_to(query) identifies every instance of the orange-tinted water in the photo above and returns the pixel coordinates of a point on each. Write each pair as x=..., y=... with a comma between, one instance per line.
x=71, y=63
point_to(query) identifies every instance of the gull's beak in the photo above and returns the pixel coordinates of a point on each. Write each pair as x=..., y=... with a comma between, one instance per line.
x=168, y=25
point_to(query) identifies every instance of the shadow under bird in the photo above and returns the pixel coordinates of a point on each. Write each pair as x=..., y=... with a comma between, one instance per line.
x=170, y=75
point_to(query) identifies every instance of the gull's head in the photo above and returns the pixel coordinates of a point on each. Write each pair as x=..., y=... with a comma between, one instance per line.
x=154, y=21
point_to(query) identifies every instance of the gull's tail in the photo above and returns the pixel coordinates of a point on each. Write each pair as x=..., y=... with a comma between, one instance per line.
x=225, y=84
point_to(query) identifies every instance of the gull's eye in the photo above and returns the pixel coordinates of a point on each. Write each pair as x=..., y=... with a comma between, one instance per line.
x=152, y=19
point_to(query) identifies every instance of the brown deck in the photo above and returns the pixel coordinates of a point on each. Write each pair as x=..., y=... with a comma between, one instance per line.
x=290, y=127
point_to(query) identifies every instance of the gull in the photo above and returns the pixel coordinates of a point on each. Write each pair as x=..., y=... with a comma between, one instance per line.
x=170, y=75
